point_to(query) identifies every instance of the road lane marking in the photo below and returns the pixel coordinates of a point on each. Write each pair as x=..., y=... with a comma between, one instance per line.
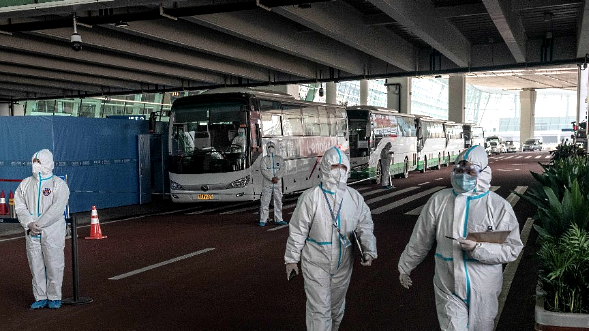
x=547, y=156
x=161, y=264
x=278, y=227
x=396, y=204
x=539, y=156
x=417, y=210
x=529, y=156
x=509, y=157
x=511, y=269
x=519, y=157
x=514, y=198
x=423, y=183
x=439, y=178
x=386, y=196
x=219, y=208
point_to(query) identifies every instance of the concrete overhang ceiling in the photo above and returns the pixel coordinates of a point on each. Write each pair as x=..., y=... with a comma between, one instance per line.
x=133, y=46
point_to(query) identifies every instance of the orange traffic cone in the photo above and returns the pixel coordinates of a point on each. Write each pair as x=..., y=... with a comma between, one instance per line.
x=95, y=232
x=3, y=207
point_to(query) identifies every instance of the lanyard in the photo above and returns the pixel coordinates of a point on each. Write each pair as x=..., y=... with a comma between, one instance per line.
x=334, y=217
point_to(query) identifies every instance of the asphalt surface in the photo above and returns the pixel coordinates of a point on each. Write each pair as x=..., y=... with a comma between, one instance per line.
x=210, y=267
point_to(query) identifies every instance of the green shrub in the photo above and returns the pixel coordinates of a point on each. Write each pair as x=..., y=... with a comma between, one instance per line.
x=564, y=271
x=565, y=151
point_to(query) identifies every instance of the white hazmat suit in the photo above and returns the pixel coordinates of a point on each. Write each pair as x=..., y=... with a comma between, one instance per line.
x=466, y=283
x=386, y=157
x=326, y=261
x=40, y=200
x=272, y=166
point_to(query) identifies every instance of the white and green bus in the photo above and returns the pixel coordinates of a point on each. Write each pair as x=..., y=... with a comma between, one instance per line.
x=371, y=128
x=473, y=135
x=218, y=138
x=431, y=142
x=454, y=141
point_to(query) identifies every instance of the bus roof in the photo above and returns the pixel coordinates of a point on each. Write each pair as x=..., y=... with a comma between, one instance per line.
x=372, y=108
x=248, y=90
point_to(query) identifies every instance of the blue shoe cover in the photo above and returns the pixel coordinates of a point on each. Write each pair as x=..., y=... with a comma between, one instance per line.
x=262, y=224
x=54, y=304
x=39, y=304
x=281, y=223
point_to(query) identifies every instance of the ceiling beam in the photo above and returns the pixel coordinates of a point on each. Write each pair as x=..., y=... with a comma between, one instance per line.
x=38, y=61
x=82, y=79
x=62, y=50
x=583, y=31
x=345, y=24
x=125, y=44
x=421, y=18
x=193, y=36
x=273, y=31
x=510, y=27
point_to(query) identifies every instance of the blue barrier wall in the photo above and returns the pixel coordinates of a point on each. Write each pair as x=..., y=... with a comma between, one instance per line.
x=99, y=156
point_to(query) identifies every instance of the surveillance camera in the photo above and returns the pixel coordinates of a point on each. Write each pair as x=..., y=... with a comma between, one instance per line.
x=76, y=41
x=321, y=91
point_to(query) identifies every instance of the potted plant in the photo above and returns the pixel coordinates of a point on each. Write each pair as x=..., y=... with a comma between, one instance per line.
x=562, y=203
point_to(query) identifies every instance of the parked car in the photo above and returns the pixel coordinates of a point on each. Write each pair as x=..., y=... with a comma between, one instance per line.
x=532, y=145
x=510, y=146
x=495, y=147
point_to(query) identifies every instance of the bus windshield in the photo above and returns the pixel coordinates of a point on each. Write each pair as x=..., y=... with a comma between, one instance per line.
x=208, y=138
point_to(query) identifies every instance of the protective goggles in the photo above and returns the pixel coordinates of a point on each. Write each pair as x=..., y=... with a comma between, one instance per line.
x=463, y=168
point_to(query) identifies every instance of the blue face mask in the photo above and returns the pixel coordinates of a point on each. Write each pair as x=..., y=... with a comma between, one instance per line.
x=463, y=182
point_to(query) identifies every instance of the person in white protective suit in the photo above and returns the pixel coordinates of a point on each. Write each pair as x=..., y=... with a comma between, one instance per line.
x=319, y=236
x=468, y=274
x=238, y=144
x=272, y=167
x=40, y=202
x=386, y=157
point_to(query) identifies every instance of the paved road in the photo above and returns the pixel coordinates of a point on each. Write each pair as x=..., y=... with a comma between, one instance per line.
x=211, y=268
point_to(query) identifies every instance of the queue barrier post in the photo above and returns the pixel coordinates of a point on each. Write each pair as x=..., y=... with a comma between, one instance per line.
x=76, y=299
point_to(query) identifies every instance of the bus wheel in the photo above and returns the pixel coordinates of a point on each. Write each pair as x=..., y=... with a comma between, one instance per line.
x=406, y=170
x=378, y=172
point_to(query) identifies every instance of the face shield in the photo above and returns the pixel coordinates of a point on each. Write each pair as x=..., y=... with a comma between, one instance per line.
x=464, y=176
x=334, y=169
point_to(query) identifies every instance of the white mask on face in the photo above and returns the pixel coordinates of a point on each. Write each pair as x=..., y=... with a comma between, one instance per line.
x=37, y=168
x=271, y=150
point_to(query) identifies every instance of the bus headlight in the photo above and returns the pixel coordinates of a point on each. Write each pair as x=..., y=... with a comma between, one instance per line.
x=175, y=186
x=242, y=182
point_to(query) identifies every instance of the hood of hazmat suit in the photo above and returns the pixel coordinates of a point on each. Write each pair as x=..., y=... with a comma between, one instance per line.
x=330, y=179
x=321, y=215
x=45, y=168
x=467, y=284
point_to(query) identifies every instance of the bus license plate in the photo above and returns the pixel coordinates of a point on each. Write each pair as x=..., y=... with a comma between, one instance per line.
x=205, y=197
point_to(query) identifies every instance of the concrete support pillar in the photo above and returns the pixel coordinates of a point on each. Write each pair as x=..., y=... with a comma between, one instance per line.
x=363, y=92
x=4, y=109
x=291, y=89
x=582, y=92
x=456, y=98
x=399, y=94
x=331, y=93
x=527, y=99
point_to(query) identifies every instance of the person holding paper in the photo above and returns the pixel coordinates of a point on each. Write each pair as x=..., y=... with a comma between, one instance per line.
x=320, y=236
x=468, y=274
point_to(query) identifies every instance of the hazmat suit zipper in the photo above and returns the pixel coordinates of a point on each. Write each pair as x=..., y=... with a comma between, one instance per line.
x=39, y=193
x=336, y=221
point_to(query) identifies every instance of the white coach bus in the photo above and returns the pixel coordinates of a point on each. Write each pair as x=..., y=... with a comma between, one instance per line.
x=431, y=142
x=218, y=138
x=371, y=128
x=473, y=135
x=454, y=141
